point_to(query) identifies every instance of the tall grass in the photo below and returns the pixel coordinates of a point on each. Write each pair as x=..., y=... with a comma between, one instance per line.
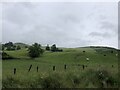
x=88, y=79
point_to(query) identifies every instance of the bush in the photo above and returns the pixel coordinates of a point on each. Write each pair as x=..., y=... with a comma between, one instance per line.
x=101, y=79
x=18, y=47
x=50, y=81
x=73, y=79
x=26, y=46
x=9, y=48
x=10, y=82
x=6, y=56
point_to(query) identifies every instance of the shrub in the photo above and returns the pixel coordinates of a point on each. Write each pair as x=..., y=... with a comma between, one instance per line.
x=74, y=79
x=6, y=56
x=18, y=47
x=9, y=48
x=51, y=81
x=10, y=82
x=100, y=78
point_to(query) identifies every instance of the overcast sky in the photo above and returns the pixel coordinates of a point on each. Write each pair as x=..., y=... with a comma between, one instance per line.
x=70, y=24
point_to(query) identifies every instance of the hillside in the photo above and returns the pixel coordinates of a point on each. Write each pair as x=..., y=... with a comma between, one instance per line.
x=73, y=55
x=95, y=62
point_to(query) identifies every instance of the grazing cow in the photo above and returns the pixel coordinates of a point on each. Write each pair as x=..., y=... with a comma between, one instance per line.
x=111, y=51
x=104, y=55
x=87, y=59
x=84, y=51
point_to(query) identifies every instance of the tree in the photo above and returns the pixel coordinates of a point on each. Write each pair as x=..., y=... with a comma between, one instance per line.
x=9, y=44
x=35, y=50
x=53, y=48
x=18, y=47
x=9, y=48
x=5, y=56
x=26, y=46
x=3, y=47
x=47, y=48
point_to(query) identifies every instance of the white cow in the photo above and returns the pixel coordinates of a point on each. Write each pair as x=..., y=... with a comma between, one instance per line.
x=116, y=54
x=87, y=59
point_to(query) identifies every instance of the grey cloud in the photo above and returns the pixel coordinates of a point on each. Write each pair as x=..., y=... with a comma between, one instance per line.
x=99, y=34
x=70, y=18
x=60, y=38
x=18, y=14
x=66, y=24
x=107, y=25
x=102, y=17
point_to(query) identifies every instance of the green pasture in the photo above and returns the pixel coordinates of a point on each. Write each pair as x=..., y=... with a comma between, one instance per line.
x=74, y=58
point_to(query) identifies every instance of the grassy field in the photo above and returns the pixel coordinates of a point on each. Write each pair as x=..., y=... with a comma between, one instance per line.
x=99, y=71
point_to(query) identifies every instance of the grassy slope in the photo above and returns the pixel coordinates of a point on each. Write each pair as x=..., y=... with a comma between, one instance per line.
x=71, y=57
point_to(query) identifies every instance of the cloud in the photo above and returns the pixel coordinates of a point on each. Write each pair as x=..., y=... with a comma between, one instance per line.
x=66, y=24
x=99, y=34
x=108, y=26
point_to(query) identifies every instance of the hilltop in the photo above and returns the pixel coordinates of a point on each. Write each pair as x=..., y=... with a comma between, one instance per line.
x=22, y=45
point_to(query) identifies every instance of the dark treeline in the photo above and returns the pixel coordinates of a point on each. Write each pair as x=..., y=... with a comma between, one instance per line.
x=53, y=48
x=10, y=46
x=35, y=50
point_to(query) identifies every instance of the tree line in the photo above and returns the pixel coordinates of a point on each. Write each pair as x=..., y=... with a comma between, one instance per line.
x=35, y=50
x=10, y=46
x=53, y=48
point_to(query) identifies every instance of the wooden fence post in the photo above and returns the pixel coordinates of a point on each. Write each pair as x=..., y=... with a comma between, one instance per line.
x=83, y=67
x=30, y=68
x=14, y=71
x=65, y=66
x=53, y=68
x=37, y=68
x=112, y=66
